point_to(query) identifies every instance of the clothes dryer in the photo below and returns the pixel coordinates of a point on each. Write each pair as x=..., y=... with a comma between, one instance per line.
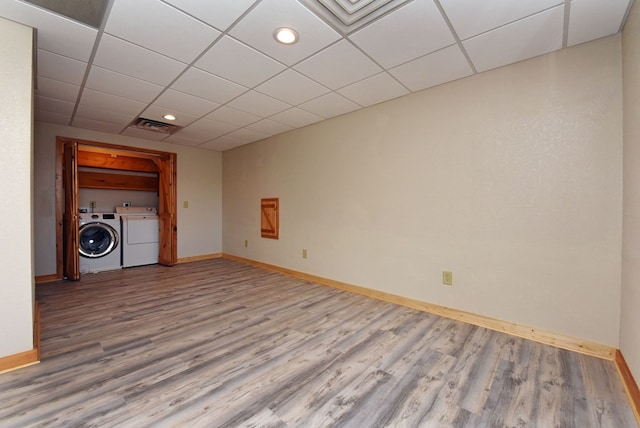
x=99, y=243
x=140, y=235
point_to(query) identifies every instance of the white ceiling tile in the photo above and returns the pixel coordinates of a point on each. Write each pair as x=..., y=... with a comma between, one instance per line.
x=205, y=85
x=338, y=65
x=144, y=134
x=58, y=67
x=248, y=135
x=56, y=89
x=292, y=87
x=592, y=19
x=126, y=58
x=161, y=28
x=269, y=127
x=430, y=70
x=232, y=116
x=296, y=117
x=56, y=33
x=182, y=140
x=529, y=37
x=52, y=117
x=181, y=102
x=257, y=28
x=97, y=125
x=241, y=80
x=225, y=142
x=374, y=90
x=410, y=31
x=258, y=104
x=118, y=84
x=157, y=113
x=238, y=63
x=205, y=130
x=54, y=105
x=329, y=105
x=102, y=115
x=472, y=17
x=222, y=16
x=115, y=103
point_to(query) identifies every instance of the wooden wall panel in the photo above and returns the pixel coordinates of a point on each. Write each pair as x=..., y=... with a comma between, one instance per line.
x=99, y=180
x=269, y=218
x=115, y=161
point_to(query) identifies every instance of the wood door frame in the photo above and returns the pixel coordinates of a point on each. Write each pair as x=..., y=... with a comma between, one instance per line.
x=111, y=148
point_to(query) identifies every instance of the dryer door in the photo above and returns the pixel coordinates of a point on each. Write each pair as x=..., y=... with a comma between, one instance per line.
x=97, y=240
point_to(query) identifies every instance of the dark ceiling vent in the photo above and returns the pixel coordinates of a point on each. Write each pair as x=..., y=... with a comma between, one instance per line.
x=155, y=126
x=89, y=12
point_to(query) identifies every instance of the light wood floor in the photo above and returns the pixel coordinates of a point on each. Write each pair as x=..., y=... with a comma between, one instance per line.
x=218, y=343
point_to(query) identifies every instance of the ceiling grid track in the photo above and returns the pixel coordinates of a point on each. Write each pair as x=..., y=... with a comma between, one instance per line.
x=217, y=68
x=456, y=37
x=103, y=24
x=565, y=28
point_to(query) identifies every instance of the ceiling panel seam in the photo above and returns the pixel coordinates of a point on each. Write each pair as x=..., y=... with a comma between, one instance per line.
x=456, y=37
x=94, y=50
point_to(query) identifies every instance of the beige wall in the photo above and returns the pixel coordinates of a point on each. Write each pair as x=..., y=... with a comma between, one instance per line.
x=630, y=316
x=512, y=179
x=16, y=259
x=199, y=183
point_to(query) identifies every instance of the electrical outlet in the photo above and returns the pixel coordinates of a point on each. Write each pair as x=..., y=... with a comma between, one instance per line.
x=447, y=277
x=246, y=243
x=185, y=204
x=304, y=253
x=92, y=204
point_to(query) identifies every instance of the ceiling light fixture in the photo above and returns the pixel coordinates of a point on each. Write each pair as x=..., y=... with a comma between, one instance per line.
x=169, y=117
x=286, y=36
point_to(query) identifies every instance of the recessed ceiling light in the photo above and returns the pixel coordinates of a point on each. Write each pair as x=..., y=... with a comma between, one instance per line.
x=169, y=117
x=286, y=36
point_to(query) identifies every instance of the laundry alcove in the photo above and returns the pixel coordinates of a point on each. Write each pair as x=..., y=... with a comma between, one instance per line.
x=122, y=161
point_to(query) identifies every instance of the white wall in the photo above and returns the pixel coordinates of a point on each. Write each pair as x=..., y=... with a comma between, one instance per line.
x=108, y=199
x=199, y=183
x=512, y=179
x=630, y=317
x=16, y=259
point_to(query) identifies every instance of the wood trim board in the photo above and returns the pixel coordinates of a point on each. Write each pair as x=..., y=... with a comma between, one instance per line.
x=16, y=361
x=199, y=258
x=26, y=358
x=36, y=329
x=40, y=279
x=630, y=385
x=537, y=335
x=99, y=180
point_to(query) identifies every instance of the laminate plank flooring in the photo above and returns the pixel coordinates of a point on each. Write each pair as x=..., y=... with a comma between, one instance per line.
x=221, y=344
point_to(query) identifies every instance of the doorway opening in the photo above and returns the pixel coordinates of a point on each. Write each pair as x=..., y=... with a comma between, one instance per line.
x=122, y=161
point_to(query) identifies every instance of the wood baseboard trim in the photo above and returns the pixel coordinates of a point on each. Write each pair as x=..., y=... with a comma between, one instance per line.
x=199, y=258
x=26, y=358
x=36, y=330
x=630, y=385
x=530, y=333
x=16, y=361
x=48, y=278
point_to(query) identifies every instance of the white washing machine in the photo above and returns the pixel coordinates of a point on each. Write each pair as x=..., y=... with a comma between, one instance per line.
x=140, y=234
x=99, y=244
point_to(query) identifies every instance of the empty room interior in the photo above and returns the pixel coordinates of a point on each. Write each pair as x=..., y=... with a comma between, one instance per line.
x=310, y=213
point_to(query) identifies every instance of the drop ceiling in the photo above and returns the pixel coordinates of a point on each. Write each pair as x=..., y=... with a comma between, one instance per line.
x=216, y=66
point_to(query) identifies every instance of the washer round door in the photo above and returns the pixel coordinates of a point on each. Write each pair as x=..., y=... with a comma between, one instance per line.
x=97, y=240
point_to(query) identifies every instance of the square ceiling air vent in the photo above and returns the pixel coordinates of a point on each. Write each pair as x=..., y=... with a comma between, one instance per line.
x=349, y=15
x=155, y=126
